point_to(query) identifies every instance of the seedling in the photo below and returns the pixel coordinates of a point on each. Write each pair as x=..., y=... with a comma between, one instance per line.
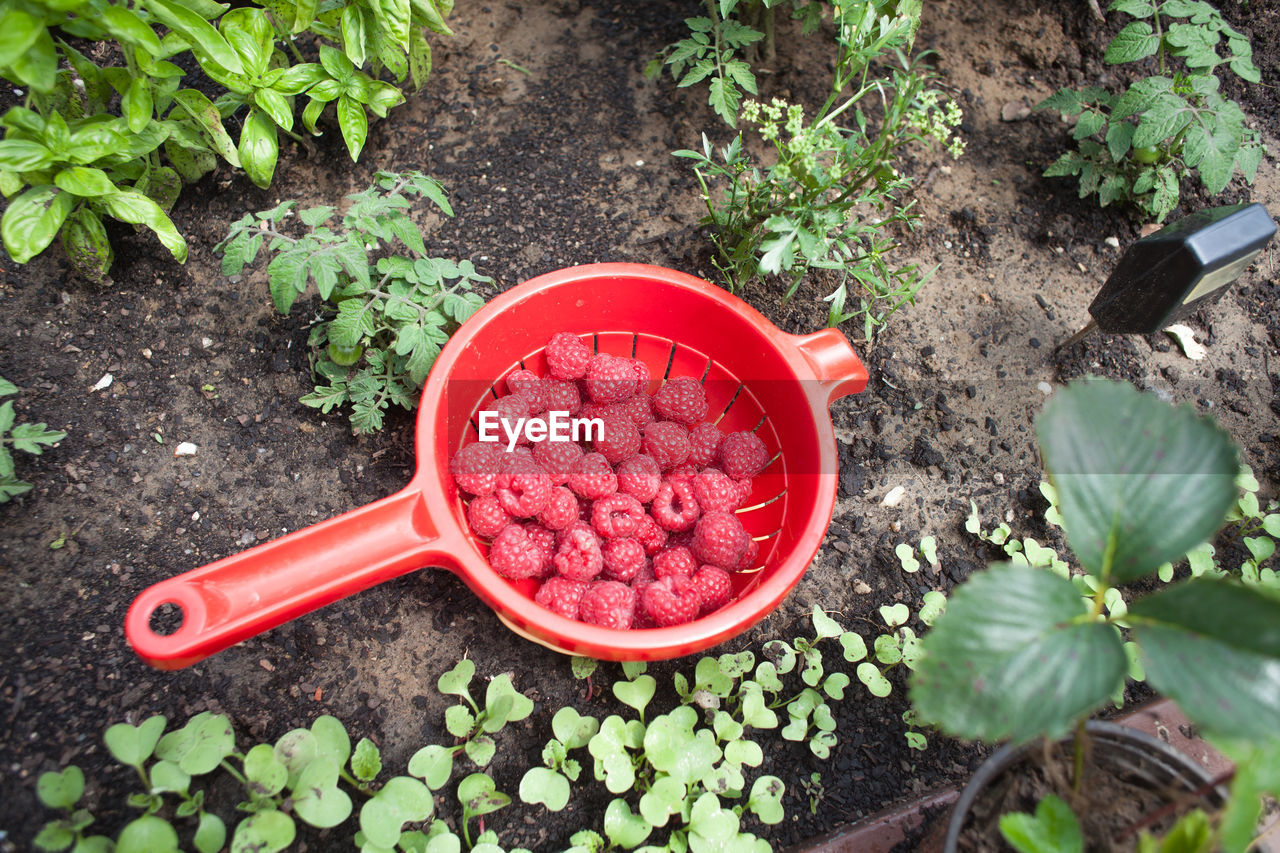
x=29, y=438
x=1168, y=274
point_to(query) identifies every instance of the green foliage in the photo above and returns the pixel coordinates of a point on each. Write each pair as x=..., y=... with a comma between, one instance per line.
x=118, y=141
x=1020, y=653
x=831, y=197
x=387, y=307
x=1135, y=145
x=1052, y=829
x=29, y=438
x=307, y=775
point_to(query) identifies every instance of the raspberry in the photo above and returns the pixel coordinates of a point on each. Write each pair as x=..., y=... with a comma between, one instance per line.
x=720, y=539
x=546, y=541
x=560, y=396
x=682, y=399
x=619, y=439
x=623, y=558
x=650, y=535
x=714, y=587
x=749, y=556
x=743, y=455
x=527, y=384
x=639, y=477
x=638, y=408
x=616, y=515
x=704, y=442
x=525, y=491
x=671, y=601
x=557, y=458
x=514, y=554
x=561, y=595
x=567, y=356
x=610, y=379
x=475, y=467
x=642, y=374
x=561, y=509
x=486, y=517
x=510, y=410
x=667, y=443
x=675, y=507
x=591, y=477
x=674, y=561
x=578, y=555
x=716, y=491
x=611, y=604
x=520, y=459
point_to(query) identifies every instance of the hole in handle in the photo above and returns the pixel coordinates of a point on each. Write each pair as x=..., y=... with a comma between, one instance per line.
x=167, y=619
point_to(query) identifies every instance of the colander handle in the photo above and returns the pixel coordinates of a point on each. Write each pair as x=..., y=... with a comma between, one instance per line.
x=245, y=594
x=836, y=367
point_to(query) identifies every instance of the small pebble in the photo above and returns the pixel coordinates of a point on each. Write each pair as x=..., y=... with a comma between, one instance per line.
x=894, y=496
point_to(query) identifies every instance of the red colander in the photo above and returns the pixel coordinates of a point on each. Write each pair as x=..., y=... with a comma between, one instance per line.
x=758, y=377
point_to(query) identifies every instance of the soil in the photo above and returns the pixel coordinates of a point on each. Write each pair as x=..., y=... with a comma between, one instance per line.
x=556, y=151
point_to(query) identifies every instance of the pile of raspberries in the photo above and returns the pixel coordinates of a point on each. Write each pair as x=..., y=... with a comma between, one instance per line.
x=636, y=530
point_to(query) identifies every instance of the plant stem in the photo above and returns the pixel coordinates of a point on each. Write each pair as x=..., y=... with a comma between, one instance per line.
x=239, y=777
x=1077, y=767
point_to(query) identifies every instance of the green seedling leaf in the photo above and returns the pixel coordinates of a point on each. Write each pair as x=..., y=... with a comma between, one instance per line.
x=366, y=761
x=766, y=677
x=631, y=669
x=266, y=774
x=167, y=777
x=1214, y=648
x=781, y=654
x=459, y=721
x=895, y=615
x=711, y=827
x=433, y=765
x=824, y=625
x=636, y=694
x=583, y=667
x=834, y=685
x=624, y=828
x=317, y=799
x=479, y=796
x=480, y=749
x=907, y=557
x=664, y=798
x=200, y=745
x=211, y=834
x=608, y=748
x=741, y=752
x=765, y=799
x=1013, y=658
x=264, y=832
x=504, y=704
x=1129, y=505
x=855, y=648
x=755, y=711
x=150, y=834
x=61, y=790
x=455, y=681
x=672, y=746
x=295, y=750
x=402, y=800
x=935, y=604
x=736, y=666
x=929, y=550
x=572, y=729
x=541, y=785
x=331, y=738
x=1053, y=829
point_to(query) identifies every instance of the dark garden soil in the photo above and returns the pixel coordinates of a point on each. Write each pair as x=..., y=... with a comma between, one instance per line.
x=556, y=152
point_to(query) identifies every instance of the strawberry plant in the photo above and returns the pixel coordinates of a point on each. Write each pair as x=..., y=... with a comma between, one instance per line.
x=387, y=306
x=1019, y=653
x=29, y=438
x=1136, y=145
x=117, y=141
x=831, y=198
